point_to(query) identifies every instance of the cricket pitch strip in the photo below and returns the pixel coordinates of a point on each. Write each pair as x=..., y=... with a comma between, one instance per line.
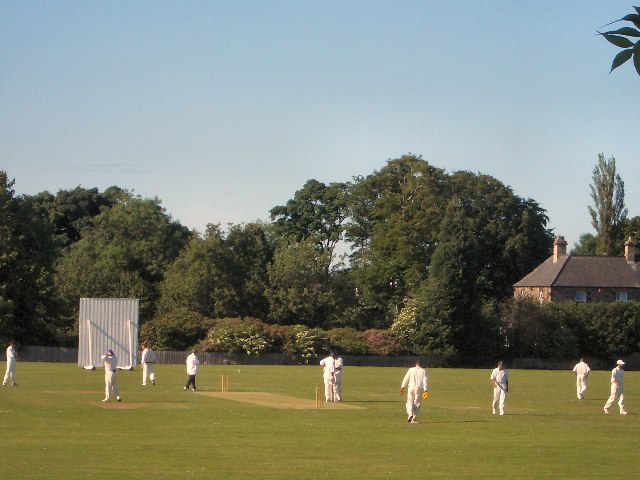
x=275, y=400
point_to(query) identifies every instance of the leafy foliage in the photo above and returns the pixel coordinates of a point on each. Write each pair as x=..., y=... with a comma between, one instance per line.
x=298, y=290
x=395, y=218
x=537, y=330
x=608, y=212
x=587, y=245
x=305, y=343
x=219, y=276
x=179, y=329
x=234, y=335
x=73, y=210
x=317, y=212
x=27, y=254
x=625, y=38
x=124, y=252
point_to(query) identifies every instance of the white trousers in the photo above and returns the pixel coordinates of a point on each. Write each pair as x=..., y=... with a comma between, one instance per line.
x=414, y=399
x=329, y=388
x=147, y=372
x=581, y=385
x=337, y=391
x=617, y=394
x=110, y=385
x=499, y=400
x=10, y=373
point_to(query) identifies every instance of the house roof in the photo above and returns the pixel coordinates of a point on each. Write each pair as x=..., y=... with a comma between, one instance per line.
x=584, y=271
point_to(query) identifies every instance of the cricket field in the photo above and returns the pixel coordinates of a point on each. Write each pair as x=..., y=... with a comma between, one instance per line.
x=268, y=426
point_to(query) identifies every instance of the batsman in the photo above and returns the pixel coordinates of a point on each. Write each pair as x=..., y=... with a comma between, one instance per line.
x=328, y=365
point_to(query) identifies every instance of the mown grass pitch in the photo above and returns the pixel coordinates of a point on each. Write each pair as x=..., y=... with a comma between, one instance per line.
x=55, y=426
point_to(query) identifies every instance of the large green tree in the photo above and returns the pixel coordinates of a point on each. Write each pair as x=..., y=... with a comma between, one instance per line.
x=395, y=216
x=510, y=232
x=124, y=252
x=317, y=212
x=73, y=210
x=220, y=275
x=299, y=289
x=397, y=223
x=608, y=211
x=28, y=310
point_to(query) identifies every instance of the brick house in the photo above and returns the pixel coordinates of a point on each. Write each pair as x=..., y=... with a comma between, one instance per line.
x=581, y=278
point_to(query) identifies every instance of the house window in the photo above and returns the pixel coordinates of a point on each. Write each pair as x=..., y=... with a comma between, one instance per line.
x=621, y=296
x=581, y=296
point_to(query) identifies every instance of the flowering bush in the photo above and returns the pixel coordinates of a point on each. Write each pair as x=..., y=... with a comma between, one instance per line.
x=234, y=335
x=383, y=342
x=304, y=343
x=406, y=327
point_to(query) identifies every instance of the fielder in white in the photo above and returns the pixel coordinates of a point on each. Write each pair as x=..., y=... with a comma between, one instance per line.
x=338, y=365
x=617, y=388
x=500, y=381
x=10, y=374
x=148, y=360
x=328, y=365
x=582, y=372
x=110, y=369
x=416, y=383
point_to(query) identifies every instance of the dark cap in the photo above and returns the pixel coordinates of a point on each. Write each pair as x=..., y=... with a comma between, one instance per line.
x=109, y=352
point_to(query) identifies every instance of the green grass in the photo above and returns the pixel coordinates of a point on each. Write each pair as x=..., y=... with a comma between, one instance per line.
x=53, y=425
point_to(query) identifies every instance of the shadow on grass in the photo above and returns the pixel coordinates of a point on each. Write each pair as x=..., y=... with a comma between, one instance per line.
x=375, y=401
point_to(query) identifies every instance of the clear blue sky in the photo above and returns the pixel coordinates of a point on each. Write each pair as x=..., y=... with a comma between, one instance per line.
x=223, y=109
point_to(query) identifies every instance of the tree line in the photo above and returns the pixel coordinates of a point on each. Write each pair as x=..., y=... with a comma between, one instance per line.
x=429, y=261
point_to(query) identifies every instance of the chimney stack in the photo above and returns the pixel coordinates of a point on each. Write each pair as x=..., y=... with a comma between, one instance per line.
x=559, y=248
x=630, y=250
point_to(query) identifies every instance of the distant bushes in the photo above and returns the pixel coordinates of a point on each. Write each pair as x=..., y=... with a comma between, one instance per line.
x=570, y=329
x=526, y=329
x=182, y=329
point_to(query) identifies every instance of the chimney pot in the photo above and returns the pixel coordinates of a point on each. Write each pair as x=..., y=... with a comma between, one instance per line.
x=630, y=250
x=559, y=248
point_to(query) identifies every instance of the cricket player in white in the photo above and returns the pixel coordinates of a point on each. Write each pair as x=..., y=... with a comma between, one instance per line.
x=416, y=383
x=10, y=374
x=110, y=368
x=338, y=364
x=329, y=376
x=582, y=372
x=617, y=388
x=500, y=381
x=148, y=360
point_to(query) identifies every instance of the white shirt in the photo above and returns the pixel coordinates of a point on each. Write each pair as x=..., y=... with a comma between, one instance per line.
x=415, y=377
x=328, y=366
x=617, y=375
x=148, y=356
x=11, y=354
x=192, y=364
x=110, y=363
x=501, y=377
x=581, y=368
x=337, y=365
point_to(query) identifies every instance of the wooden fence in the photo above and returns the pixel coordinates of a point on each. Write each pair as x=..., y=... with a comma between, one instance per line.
x=70, y=355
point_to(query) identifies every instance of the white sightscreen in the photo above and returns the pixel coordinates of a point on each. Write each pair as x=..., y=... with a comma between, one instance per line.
x=108, y=323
